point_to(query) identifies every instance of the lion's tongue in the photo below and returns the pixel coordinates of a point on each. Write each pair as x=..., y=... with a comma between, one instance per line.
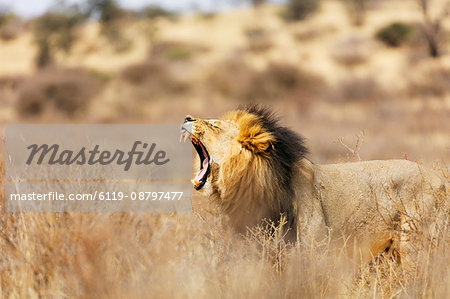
x=202, y=171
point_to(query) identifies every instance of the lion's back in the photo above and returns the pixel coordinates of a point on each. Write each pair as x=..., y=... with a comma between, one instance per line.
x=352, y=192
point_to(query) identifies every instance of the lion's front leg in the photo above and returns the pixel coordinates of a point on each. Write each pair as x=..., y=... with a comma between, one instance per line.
x=311, y=225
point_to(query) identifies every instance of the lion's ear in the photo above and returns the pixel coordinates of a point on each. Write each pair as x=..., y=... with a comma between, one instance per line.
x=255, y=139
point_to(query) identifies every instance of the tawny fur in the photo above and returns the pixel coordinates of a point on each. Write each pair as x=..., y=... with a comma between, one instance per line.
x=259, y=171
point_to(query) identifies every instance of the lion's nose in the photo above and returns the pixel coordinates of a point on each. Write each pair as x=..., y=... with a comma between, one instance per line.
x=188, y=118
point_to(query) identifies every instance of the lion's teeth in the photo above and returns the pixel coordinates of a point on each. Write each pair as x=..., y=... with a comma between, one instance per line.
x=183, y=133
x=195, y=182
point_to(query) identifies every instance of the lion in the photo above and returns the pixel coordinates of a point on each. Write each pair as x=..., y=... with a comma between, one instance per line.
x=255, y=169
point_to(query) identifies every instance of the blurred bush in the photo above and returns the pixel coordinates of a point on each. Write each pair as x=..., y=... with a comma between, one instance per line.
x=352, y=51
x=307, y=35
x=257, y=3
x=153, y=12
x=395, y=34
x=175, y=50
x=238, y=80
x=258, y=39
x=153, y=78
x=67, y=91
x=107, y=10
x=179, y=52
x=206, y=15
x=357, y=88
x=55, y=31
x=10, y=25
x=138, y=73
x=297, y=10
x=432, y=83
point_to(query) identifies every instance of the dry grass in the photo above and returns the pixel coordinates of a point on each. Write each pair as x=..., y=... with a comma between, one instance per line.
x=134, y=255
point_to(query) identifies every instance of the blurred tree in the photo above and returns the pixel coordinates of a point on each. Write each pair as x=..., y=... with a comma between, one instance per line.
x=256, y=3
x=432, y=26
x=153, y=12
x=297, y=10
x=109, y=14
x=5, y=16
x=55, y=31
x=108, y=10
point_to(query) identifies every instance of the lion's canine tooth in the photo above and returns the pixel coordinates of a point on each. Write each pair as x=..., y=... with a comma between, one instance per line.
x=183, y=134
x=186, y=136
x=195, y=182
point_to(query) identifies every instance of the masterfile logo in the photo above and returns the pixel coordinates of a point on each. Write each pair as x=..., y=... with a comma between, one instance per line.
x=52, y=155
x=97, y=168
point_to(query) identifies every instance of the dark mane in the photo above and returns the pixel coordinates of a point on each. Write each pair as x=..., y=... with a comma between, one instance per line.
x=288, y=148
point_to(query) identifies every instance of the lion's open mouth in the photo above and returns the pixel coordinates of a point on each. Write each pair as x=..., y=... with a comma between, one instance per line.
x=200, y=178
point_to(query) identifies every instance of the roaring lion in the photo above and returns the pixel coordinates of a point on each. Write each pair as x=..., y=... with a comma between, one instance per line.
x=256, y=169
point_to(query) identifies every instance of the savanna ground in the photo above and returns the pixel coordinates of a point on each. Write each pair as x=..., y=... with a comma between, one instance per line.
x=351, y=95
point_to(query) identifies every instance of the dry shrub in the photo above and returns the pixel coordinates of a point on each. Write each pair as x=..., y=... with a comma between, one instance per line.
x=138, y=73
x=357, y=10
x=174, y=50
x=67, y=91
x=395, y=34
x=432, y=83
x=352, y=51
x=297, y=10
x=10, y=26
x=152, y=78
x=11, y=82
x=156, y=12
x=279, y=79
x=231, y=78
x=258, y=39
x=237, y=80
x=356, y=88
x=308, y=34
x=206, y=15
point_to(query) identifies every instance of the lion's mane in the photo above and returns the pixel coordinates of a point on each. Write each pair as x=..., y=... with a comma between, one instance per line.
x=261, y=177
